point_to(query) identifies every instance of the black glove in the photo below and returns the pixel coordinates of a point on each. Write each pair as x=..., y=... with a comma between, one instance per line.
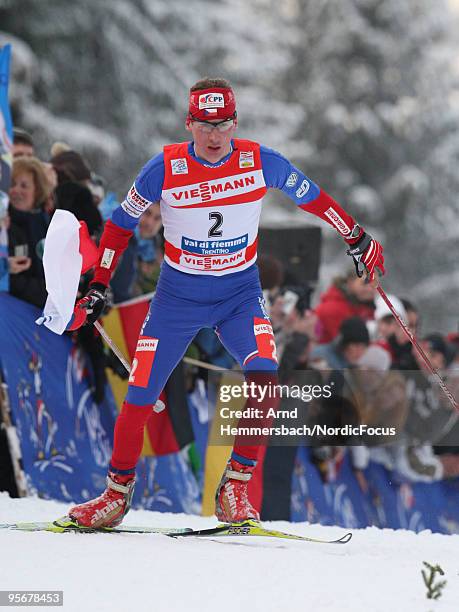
x=93, y=302
x=367, y=254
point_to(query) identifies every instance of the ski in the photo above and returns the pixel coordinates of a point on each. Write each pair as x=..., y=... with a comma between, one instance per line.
x=66, y=525
x=246, y=528
x=254, y=528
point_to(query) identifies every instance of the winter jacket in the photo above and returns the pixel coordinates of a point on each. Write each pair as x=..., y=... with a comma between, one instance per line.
x=78, y=200
x=336, y=306
x=26, y=232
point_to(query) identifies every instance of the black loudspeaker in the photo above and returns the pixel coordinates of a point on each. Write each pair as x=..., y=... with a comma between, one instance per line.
x=298, y=249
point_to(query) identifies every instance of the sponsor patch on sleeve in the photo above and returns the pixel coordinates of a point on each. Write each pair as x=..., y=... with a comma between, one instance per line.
x=292, y=180
x=107, y=258
x=302, y=189
x=135, y=204
x=342, y=227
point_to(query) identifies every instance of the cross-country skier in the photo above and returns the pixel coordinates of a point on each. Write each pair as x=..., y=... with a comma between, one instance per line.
x=210, y=191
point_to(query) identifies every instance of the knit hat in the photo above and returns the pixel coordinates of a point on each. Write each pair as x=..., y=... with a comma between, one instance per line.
x=375, y=358
x=72, y=165
x=353, y=330
x=438, y=344
x=383, y=310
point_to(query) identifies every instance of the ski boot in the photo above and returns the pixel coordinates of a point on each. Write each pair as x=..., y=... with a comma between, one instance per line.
x=109, y=509
x=231, y=500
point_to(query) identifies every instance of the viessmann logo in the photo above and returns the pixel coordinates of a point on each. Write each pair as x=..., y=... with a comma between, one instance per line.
x=205, y=191
x=262, y=328
x=146, y=344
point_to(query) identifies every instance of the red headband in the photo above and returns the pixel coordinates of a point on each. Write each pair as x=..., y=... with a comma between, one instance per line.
x=213, y=103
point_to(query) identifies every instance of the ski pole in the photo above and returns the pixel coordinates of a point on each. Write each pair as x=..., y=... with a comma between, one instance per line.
x=416, y=345
x=159, y=406
x=112, y=345
x=119, y=354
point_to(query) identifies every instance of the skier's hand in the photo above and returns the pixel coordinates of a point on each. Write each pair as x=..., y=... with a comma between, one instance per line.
x=90, y=307
x=367, y=254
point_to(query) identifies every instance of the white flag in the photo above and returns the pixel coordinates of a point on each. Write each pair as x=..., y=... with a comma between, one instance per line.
x=68, y=253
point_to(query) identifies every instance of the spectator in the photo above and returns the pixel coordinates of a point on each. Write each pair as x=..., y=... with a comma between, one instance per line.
x=97, y=187
x=412, y=316
x=429, y=419
x=391, y=335
x=72, y=192
x=51, y=175
x=27, y=229
x=380, y=392
x=439, y=351
x=348, y=296
x=135, y=273
x=344, y=352
x=296, y=319
x=385, y=322
x=346, y=349
x=271, y=273
x=22, y=143
x=271, y=279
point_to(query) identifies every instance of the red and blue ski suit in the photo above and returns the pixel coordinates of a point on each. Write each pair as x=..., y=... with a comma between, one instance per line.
x=209, y=276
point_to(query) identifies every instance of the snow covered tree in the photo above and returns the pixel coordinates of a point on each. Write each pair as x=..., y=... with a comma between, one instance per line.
x=362, y=94
x=127, y=66
x=381, y=120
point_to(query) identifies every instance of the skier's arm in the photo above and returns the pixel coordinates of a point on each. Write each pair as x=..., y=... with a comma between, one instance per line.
x=281, y=174
x=116, y=235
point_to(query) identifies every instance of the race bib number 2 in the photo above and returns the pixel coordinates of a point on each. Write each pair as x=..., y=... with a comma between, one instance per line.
x=143, y=361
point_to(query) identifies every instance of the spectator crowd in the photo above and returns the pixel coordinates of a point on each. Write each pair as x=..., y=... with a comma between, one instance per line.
x=349, y=337
x=65, y=181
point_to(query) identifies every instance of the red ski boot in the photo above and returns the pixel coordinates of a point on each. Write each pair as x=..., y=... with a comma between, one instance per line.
x=231, y=501
x=109, y=509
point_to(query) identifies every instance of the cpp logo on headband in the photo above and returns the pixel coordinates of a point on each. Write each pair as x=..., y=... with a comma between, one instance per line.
x=211, y=100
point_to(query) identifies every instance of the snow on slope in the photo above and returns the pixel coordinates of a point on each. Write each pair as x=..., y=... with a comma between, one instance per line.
x=378, y=571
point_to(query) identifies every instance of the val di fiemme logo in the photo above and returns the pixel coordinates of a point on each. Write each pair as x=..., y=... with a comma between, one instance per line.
x=205, y=191
x=211, y=100
x=179, y=166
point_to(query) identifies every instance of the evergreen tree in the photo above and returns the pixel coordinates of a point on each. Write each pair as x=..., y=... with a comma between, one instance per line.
x=377, y=86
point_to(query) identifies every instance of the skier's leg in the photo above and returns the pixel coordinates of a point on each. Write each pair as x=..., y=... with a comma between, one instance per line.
x=249, y=337
x=163, y=340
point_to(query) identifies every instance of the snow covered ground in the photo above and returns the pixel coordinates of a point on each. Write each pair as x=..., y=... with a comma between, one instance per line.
x=379, y=570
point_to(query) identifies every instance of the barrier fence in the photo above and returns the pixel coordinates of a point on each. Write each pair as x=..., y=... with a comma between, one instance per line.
x=60, y=440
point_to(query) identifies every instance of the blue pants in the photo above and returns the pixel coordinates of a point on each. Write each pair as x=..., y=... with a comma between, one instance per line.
x=185, y=303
